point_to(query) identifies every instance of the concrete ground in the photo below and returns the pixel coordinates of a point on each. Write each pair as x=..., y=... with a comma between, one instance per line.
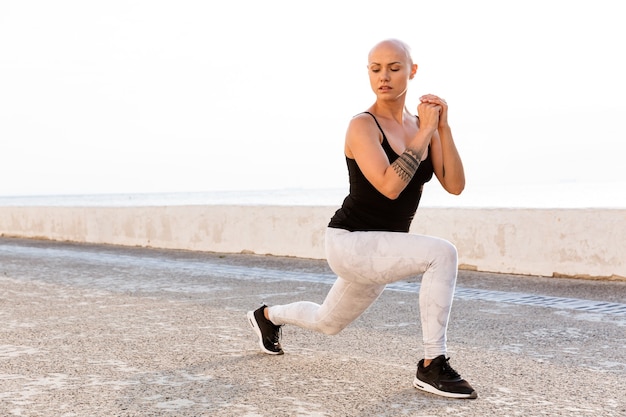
x=90, y=330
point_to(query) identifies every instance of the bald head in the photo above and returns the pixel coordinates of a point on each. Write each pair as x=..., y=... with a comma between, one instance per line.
x=390, y=46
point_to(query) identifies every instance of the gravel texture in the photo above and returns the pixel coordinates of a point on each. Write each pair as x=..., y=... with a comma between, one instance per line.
x=92, y=330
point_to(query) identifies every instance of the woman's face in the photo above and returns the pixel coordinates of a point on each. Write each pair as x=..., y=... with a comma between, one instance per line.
x=390, y=69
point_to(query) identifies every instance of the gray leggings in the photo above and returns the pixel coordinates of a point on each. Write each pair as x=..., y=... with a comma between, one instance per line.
x=365, y=262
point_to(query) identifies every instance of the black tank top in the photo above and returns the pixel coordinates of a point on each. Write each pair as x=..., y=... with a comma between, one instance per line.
x=366, y=209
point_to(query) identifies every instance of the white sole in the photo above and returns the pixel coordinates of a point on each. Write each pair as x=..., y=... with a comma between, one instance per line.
x=257, y=330
x=429, y=388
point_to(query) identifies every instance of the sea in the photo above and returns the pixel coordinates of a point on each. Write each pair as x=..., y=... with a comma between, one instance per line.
x=574, y=194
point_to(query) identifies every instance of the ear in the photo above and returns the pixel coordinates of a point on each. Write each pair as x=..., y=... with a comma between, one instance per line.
x=413, y=71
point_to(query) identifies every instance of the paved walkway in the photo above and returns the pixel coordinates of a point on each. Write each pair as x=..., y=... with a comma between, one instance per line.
x=106, y=331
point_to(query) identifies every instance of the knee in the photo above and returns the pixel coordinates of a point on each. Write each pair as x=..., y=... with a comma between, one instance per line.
x=450, y=251
x=446, y=252
x=329, y=328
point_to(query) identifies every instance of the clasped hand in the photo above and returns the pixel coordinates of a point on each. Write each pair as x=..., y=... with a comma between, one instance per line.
x=432, y=111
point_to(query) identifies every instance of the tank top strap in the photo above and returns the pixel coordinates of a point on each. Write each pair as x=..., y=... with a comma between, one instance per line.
x=391, y=154
x=377, y=124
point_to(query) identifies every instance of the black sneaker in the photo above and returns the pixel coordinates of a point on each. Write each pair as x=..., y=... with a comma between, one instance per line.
x=439, y=378
x=269, y=334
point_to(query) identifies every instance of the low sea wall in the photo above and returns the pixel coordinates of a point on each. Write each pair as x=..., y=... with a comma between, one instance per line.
x=585, y=243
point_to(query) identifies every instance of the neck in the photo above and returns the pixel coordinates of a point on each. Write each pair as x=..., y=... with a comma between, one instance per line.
x=393, y=110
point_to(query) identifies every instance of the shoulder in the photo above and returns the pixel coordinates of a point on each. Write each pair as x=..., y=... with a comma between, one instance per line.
x=362, y=132
x=363, y=124
x=363, y=117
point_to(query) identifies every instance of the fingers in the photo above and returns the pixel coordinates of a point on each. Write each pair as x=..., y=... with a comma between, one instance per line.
x=429, y=113
x=431, y=98
x=424, y=105
x=437, y=101
x=435, y=104
x=428, y=105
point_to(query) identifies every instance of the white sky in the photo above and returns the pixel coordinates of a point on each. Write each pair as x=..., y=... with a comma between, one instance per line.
x=159, y=96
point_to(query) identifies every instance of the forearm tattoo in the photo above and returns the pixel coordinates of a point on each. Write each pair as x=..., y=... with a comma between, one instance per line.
x=406, y=164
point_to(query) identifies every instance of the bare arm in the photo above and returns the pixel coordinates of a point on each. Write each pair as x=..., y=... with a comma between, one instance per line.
x=447, y=162
x=363, y=144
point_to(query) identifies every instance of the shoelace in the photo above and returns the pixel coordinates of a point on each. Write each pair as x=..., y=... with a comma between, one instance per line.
x=277, y=334
x=447, y=370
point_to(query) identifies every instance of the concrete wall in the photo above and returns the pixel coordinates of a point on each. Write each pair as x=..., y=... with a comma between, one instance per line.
x=588, y=243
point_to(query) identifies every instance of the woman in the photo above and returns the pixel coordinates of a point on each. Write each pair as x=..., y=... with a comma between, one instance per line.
x=390, y=154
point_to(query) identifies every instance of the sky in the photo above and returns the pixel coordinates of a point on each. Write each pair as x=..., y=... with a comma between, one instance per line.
x=179, y=96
